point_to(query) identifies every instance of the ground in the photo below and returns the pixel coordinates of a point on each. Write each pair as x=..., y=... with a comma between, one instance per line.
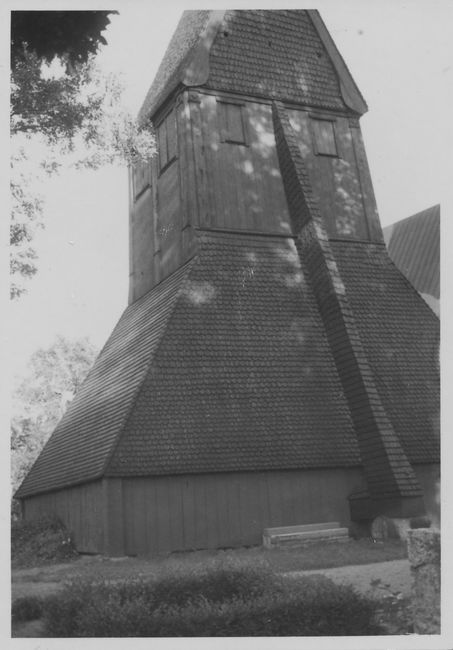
x=388, y=581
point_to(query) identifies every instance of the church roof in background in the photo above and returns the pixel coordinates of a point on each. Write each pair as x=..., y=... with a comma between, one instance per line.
x=414, y=246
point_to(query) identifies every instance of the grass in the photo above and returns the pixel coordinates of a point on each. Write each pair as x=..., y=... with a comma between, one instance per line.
x=318, y=556
x=123, y=570
x=224, y=597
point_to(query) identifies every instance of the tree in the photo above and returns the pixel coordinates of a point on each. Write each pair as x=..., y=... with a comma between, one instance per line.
x=62, y=103
x=41, y=398
x=66, y=34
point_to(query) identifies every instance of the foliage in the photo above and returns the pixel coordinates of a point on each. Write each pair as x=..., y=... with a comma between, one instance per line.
x=40, y=541
x=219, y=601
x=26, y=608
x=41, y=398
x=71, y=34
x=65, y=113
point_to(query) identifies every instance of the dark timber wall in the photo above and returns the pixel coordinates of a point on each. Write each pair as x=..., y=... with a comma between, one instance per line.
x=228, y=510
x=79, y=507
x=218, y=168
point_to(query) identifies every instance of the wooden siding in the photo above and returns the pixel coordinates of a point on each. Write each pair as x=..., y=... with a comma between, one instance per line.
x=80, y=508
x=169, y=222
x=429, y=478
x=340, y=186
x=227, y=510
x=141, y=246
x=239, y=185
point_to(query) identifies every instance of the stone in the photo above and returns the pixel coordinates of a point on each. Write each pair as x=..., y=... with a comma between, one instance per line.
x=424, y=558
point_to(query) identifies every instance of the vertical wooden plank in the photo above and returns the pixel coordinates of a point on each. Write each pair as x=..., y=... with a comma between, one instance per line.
x=275, y=500
x=214, y=152
x=172, y=144
x=162, y=144
x=222, y=524
x=163, y=514
x=234, y=505
x=187, y=505
x=186, y=163
x=134, y=508
x=152, y=532
x=210, y=514
x=195, y=100
x=366, y=185
x=175, y=522
x=113, y=516
x=201, y=537
x=252, y=518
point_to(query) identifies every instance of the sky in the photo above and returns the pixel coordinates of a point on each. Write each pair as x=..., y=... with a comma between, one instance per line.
x=399, y=55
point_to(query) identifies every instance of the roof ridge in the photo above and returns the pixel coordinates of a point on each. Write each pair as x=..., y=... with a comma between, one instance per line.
x=192, y=67
x=185, y=273
x=350, y=92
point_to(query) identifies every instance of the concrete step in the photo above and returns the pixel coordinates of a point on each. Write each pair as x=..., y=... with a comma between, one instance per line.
x=301, y=528
x=300, y=535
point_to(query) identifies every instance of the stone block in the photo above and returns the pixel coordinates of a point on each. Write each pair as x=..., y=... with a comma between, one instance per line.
x=424, y=558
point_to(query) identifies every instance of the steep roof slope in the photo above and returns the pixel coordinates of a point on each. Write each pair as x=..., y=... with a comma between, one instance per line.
x=176, y=58
x=414, y=245
x=279, y=54
x=400, y=335
x=84, y=438
x=275, y=54
x=243, y=378
x=226, y=366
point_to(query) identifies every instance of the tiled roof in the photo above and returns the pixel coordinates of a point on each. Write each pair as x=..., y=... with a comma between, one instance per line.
x=400, y=334
x=243, y=378
x=270, y=53
x=414, y=246
x=83, y=440
x=276, y=54
x=225, y=366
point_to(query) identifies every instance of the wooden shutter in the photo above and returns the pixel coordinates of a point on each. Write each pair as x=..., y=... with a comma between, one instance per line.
x=324, y=137
x=232, y=122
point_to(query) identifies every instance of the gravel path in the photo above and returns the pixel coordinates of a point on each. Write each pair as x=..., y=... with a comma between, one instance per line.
x=375, y=580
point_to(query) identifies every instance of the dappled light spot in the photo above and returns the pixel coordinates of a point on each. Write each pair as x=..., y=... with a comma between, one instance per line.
x=247, y=167
x=297, y=331
x=288, y=254
x=199, y=293
x=294, y=280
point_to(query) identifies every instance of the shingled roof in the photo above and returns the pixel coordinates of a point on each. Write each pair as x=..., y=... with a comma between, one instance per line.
x=83, y=441
x=257, y=355
x=400, y=334
x=414, y=245
x=286, y=55
x=243, y=356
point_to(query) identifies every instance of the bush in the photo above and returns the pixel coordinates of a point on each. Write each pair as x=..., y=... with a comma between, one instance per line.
x=40, y=541
x=26, y=608
x=219, y=600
